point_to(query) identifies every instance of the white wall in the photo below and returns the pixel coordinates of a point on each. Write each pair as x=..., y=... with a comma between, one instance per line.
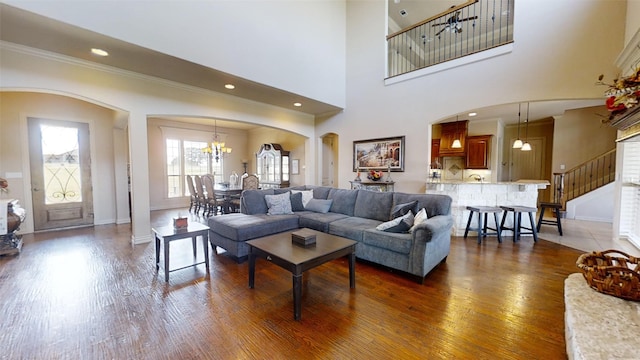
x=560, y=48
x=633, y=19
x=596, y=205
x=298, y=46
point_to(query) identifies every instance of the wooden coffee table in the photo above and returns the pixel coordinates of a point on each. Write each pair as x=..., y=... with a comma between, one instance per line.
x=297, y=259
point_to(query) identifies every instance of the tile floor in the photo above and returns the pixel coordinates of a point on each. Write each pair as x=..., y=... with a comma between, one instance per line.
x=587, y=236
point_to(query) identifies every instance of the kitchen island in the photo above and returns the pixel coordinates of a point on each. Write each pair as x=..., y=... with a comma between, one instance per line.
x=523, y=192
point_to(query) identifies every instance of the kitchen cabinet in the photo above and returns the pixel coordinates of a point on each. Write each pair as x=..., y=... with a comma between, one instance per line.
x=478, y=152
x=435, y=151
x=450, y=132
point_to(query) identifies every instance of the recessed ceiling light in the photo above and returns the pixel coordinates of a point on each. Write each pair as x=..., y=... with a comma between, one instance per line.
x=473, y=114
x=297, y=104
x=230, y=86
x=99, y=52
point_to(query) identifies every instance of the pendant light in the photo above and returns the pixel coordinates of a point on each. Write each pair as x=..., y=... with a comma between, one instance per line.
x=456, y=143
x=218, y=145
x=518, y=143
x=526, y=146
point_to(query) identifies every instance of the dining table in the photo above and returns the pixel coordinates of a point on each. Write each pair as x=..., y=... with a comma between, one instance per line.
x=227, y=193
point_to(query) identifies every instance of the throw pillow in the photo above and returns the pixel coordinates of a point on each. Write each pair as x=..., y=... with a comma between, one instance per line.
x=403, y=209
x=306, y=195
x=278, y=204
x=420, y=218
x=296, y=202
x=400, y=224
x=319, y=205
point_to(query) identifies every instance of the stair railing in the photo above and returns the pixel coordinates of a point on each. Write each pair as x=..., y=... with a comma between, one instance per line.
x=586, y=177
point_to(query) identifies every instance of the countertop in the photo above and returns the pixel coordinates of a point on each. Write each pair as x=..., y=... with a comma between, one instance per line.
x=519, y=182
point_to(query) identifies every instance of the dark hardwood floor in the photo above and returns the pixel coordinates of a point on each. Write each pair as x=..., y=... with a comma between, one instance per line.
x=88, y=294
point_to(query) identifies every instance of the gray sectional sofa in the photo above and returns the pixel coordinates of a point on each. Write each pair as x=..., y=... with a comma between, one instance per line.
x=353, y=214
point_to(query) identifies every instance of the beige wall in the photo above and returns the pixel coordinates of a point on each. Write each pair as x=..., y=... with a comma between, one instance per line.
x=580, y=135
x=14, y=157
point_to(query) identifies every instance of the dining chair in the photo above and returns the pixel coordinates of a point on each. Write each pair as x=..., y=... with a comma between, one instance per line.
x=249, y=182
x=193, y=196
x=200, y=197
x=213, y=202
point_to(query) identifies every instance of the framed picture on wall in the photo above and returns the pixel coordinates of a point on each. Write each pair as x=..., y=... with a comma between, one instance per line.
x=379, y=154
x=295, y=166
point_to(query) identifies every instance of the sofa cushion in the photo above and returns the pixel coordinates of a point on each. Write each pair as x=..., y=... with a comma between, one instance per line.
x=435, y=204
x=352, y=227
x=344, y=200
x=318, y=221
x=403, y=209
x=242, y=227
x=321, y=192
x=373, y=205
x=279, y=204
x=319, y=205
x=397, y=242
x=296, y=202
x=253, y=201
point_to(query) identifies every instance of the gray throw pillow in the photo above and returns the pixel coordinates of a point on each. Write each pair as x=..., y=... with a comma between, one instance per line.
x=403, y=209
x=398, y=225
x=306, y=195
x=296, y=201
x=278, y=204
x=319, y=205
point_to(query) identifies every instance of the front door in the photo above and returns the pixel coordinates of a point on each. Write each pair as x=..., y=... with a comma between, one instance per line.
x=60, y=174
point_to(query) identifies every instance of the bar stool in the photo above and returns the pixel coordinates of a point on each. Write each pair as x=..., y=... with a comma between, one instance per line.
x=483, y=211
x=556, y=209
x=517, y=211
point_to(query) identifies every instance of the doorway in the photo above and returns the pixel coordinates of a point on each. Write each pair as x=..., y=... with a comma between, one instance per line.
x=329, y=154
x=59, y=158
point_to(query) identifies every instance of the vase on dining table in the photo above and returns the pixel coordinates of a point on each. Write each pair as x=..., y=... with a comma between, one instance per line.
x=233, y=180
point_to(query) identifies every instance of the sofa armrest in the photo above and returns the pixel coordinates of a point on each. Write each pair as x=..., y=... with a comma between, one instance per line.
x=434, y=225
x=431, y=243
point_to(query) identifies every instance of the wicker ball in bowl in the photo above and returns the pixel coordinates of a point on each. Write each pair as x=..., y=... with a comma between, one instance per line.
x=612, y=272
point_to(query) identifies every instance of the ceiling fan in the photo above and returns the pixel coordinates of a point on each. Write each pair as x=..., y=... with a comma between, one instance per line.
x=453, y=24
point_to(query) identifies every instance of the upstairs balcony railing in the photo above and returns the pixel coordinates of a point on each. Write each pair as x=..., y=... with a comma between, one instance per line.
x=462, y=30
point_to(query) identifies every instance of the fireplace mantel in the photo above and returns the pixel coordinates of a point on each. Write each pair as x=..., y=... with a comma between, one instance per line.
x=629, y=122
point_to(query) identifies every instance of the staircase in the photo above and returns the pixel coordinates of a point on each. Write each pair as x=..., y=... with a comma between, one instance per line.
x=584, y=178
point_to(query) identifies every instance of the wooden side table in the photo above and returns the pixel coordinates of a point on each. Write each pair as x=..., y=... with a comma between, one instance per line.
x=169, y=233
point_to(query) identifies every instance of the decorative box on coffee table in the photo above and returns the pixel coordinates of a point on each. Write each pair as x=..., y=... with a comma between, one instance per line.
x=303, y=237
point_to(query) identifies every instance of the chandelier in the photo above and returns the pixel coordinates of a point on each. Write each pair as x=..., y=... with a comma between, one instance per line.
x=218, y=148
